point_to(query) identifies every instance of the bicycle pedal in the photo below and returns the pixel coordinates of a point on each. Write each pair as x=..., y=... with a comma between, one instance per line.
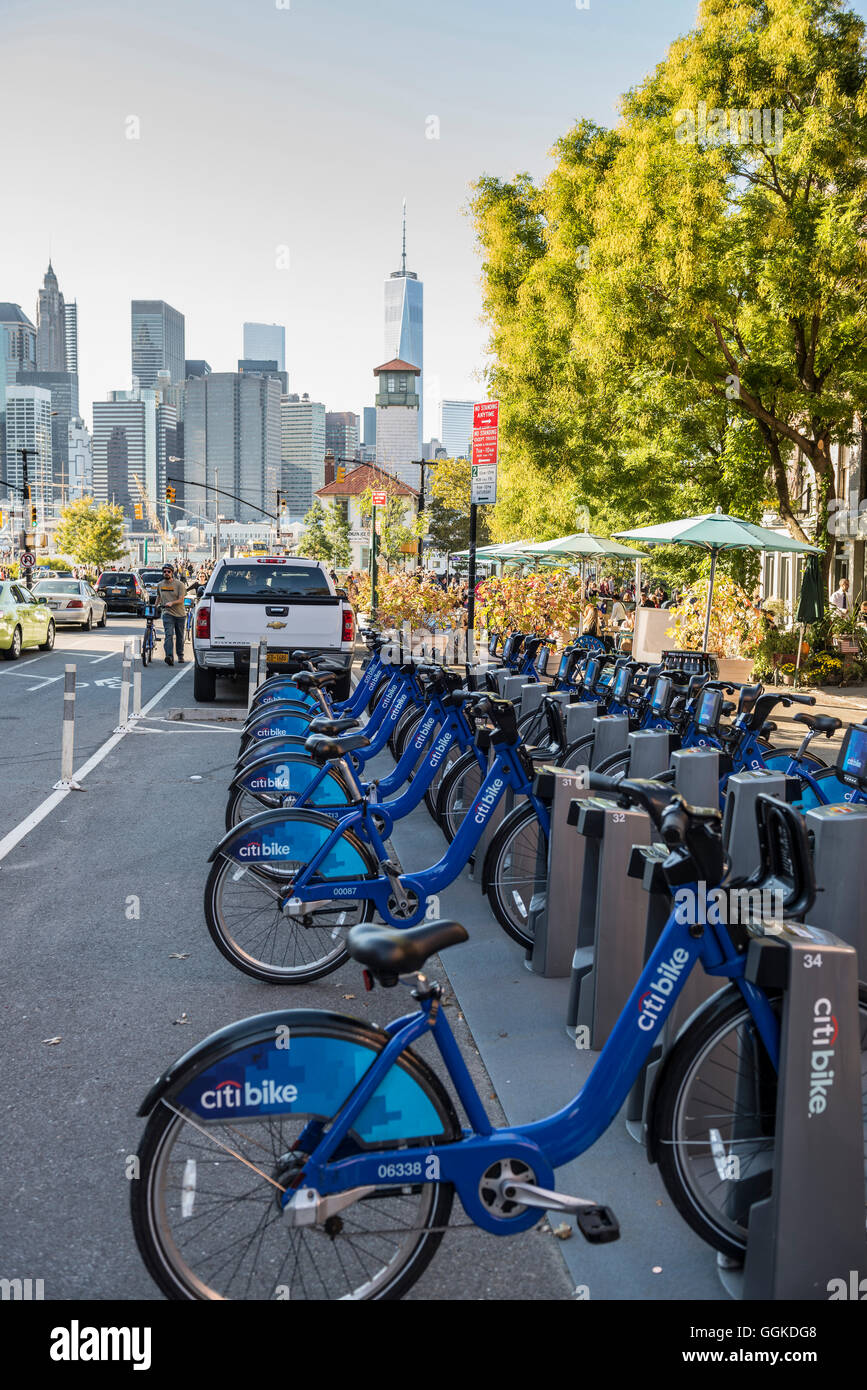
x=599, y=1225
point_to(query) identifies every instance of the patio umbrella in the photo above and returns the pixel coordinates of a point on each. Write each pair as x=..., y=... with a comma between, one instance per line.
x=583, y=544
x=716, y=532
x=811, y=601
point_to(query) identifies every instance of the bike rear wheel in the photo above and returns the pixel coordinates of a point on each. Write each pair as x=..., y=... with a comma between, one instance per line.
x=713, y=1121
x=210, y=1228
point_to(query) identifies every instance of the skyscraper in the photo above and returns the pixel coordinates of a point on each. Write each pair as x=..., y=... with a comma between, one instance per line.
x=266, y=342
x=50, y=326
x=302, y=452
x=397, y=410
x=20, y=340
x=72, y=337
x=133, y=436
x=80, y=455
x=157, y=341
x=369, y=425
x=63, y=387
x=404, y=323
x=456, y=428
x=28, y=426
x=341, y=434
x=232, y=442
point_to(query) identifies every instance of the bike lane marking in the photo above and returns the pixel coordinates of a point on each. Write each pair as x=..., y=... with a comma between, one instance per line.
x=14, y=837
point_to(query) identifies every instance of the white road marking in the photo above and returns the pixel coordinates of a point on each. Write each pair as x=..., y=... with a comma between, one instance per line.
x=14, y=837
x=17, y=671
x=97, y=659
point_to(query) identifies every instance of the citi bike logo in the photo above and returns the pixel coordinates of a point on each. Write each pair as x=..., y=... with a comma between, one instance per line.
x=264, y=850
x=822, y=1042
x=653, y=1000
x=231, y=1095
x=439, y=749
x=487, y=801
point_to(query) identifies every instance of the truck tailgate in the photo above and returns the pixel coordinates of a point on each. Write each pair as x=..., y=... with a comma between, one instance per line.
x=290, y=622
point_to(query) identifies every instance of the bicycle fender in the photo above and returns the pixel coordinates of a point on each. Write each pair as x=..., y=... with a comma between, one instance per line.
x=288, y=775
x=258, y=839
x=278, y=1063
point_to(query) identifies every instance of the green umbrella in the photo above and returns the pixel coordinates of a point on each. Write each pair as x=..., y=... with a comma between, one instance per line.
x=582, y=545
x=811, y=603
x=716, y=532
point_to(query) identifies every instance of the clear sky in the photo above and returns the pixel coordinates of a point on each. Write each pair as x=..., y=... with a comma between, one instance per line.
x=263, y=128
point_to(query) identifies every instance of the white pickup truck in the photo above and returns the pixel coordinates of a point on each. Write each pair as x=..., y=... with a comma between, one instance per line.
x=288, y=604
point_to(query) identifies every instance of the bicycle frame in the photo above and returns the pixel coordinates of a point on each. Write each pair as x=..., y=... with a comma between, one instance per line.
x=544, y=1144
x=506, y=771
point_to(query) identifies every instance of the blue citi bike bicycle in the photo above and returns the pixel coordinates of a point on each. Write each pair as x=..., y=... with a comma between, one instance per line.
x=308, y=1155
x=286, y=885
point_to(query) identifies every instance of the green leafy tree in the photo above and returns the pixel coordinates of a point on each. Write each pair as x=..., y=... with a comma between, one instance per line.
x=448, y=515
x=397, y=532
x=679, y=314
x=315, y=541
x=91, y=534
x=337, y=531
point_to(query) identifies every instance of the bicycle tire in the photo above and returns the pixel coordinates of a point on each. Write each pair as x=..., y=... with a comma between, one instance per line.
x=615, y=765
x=404, y=731
x=448, y=760
x=146, y=649
x=515, y=872
x=458, y=790
x=579, y=753
x=406, y=1223
x=248, y=941
x=533, y=728
x=724, y=1027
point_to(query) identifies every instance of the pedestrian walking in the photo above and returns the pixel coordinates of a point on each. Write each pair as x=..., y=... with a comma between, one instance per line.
x=170, y=601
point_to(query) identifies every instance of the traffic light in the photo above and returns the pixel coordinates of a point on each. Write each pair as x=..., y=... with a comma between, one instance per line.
x=170, y=493
x=32, y=514
x=341, y=473
x=137, y=511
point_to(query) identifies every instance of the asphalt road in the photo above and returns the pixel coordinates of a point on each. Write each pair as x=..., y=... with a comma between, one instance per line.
x=109, y=974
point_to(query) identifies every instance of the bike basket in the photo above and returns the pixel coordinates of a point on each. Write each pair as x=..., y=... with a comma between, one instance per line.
x=150, y=610
x=694, y=663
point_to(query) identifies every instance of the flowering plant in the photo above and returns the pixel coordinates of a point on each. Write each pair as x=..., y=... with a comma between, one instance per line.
x=548, y=604
x=735, y=625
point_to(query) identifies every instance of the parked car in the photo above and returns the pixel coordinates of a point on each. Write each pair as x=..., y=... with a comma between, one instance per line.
x=73, y=602
x=286, y=604
x=25, y=621
x=123, y=591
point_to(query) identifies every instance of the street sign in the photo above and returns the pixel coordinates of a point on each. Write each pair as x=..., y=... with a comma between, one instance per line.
x=486, y=425
x=360, y=537
x=27, y=559
x=483, y=489
x=380, y=499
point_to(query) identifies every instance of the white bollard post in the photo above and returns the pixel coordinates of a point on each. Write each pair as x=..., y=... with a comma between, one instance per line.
x=255, y=658
x=136, y=677
x=124, y=686
x=67, y=742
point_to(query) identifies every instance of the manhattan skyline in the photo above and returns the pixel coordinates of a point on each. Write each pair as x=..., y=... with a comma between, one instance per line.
x=268, y=165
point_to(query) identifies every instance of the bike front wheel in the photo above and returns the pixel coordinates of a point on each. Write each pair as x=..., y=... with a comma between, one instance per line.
x=712, y=1128
x=249, y=926
x=515, y=873
x=210, y=1227
x=457, y=793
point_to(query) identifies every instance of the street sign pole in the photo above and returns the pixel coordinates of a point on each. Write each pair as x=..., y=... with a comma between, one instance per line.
x=379, y=499
x=483, y=488
x=471, y=578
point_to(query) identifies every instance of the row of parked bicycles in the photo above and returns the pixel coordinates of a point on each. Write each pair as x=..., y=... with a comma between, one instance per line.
x=458, y=750
x=305, y=1154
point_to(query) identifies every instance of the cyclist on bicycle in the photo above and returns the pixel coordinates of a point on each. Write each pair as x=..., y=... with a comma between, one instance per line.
x=170, y=601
